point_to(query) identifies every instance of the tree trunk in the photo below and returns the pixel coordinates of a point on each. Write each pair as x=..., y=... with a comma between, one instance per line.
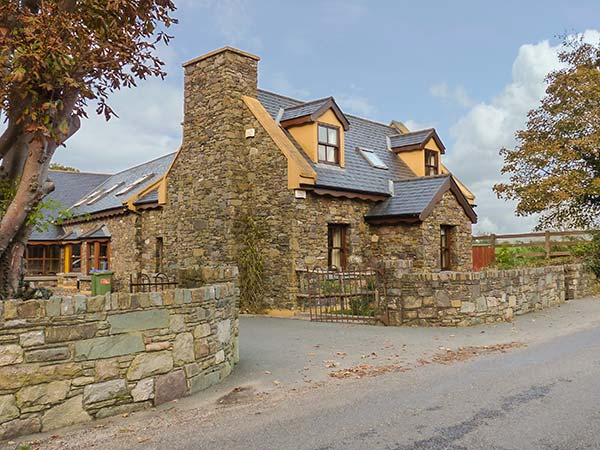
x=25, y=167
x=12, y=264
x=32, y=186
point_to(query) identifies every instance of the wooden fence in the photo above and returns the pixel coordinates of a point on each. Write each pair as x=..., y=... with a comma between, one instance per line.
x=484, y=247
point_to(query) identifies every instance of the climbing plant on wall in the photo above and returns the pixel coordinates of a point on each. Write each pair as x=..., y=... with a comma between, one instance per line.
x=251, y=265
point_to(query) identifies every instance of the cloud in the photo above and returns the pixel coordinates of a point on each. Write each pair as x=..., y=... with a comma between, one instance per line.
x=456, y=95
x=413, y=125
x=355, y=104
x=489, y=126
x=148, y=125
x=233, y=20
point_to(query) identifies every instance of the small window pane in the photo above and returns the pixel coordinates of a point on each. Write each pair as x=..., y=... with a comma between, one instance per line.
x=331, y=154
x=34, y=267
x=336, y=258
x=332, y=136
x=322, y=153
x=76, y=258
x=322, y=134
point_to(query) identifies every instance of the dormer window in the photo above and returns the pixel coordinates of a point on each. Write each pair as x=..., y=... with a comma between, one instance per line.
x=329, y=144
x=431, y=163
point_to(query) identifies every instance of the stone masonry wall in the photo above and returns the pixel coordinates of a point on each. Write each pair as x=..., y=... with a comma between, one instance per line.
x=580, y=282
x=203, y=196
x=470, y=298
x=72, y=359
x=447, y=212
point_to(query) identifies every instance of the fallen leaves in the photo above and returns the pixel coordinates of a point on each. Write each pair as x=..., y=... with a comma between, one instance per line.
x=445, y=356
x=367, y=370
x=450, y=356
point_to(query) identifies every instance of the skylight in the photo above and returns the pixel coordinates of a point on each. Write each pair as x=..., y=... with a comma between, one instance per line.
x=116, y=186
x=372, y=158
x=136, y=183
x=86, y=198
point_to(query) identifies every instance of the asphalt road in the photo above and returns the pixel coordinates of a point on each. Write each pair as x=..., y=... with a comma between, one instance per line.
x=544, y=395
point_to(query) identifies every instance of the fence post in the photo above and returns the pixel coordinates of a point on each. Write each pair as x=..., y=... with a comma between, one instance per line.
x=547, y=243
x=493, y=243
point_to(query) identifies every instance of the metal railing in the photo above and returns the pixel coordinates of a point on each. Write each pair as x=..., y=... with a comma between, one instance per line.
x=151, y=282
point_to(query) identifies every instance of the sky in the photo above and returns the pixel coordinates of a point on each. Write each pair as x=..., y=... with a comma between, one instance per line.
x=471, y=69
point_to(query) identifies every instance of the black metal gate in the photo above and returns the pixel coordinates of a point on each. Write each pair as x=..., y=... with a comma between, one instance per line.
x=331, y=295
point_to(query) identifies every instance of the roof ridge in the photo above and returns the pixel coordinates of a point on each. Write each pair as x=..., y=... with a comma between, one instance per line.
x=142, y=164
x=425, y=177
x=301, y=102
x=414, y=132
x=319, y=100
x=279, y=95
x=80, y=172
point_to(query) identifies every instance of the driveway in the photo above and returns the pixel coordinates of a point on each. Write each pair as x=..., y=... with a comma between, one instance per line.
x=530, y=384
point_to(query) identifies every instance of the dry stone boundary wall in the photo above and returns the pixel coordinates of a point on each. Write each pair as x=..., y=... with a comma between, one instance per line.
x=471, y=298
x=71, y=359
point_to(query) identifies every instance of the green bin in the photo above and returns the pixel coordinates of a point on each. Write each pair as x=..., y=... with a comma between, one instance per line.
x=101, y=282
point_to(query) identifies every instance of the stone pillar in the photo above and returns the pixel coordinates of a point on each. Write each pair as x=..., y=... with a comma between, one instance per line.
x=205, y=184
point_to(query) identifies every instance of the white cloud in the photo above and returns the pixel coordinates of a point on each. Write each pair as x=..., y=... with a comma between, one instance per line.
x=454, y=95
x=355, y=104
x=233, y=20
x=487, y=127
x=148, y=125
x=414, y=125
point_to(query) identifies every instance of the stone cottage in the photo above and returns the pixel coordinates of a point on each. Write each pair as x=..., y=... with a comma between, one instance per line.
x=324, y=188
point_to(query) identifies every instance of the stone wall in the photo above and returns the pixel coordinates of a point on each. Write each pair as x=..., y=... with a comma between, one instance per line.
x=470, y=298
x=72, y=359
x=580, y=282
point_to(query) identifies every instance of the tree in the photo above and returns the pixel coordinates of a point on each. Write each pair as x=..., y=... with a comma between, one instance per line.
x=555, y=167
x=57, y=166
x=55, y=57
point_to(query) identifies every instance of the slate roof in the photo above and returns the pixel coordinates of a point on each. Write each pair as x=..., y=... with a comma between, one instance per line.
x=303, y=109
x=68, y=189
x=415, y=198
x=112, y=201
x=411, y=197
x=357, y=175
x=413, y=138
x=150, y=197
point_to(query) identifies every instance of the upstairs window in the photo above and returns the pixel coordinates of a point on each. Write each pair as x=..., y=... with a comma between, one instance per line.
x=431, y=163
x=329, y=144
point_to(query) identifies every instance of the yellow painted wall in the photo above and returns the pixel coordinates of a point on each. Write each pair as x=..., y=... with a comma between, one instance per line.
x=416, y=160
x=306, y=136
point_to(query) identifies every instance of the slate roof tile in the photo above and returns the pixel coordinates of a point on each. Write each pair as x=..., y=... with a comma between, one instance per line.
x=411, y=197
x=68, y=189
x=358, y=174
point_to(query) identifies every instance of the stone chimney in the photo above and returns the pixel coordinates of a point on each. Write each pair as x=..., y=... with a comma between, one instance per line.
x=213, y=89
x=203, y=188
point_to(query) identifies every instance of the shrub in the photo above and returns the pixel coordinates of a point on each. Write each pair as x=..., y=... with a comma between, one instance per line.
x=592, y=261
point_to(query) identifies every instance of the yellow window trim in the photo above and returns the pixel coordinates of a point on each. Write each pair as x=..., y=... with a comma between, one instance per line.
x=299, y=171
